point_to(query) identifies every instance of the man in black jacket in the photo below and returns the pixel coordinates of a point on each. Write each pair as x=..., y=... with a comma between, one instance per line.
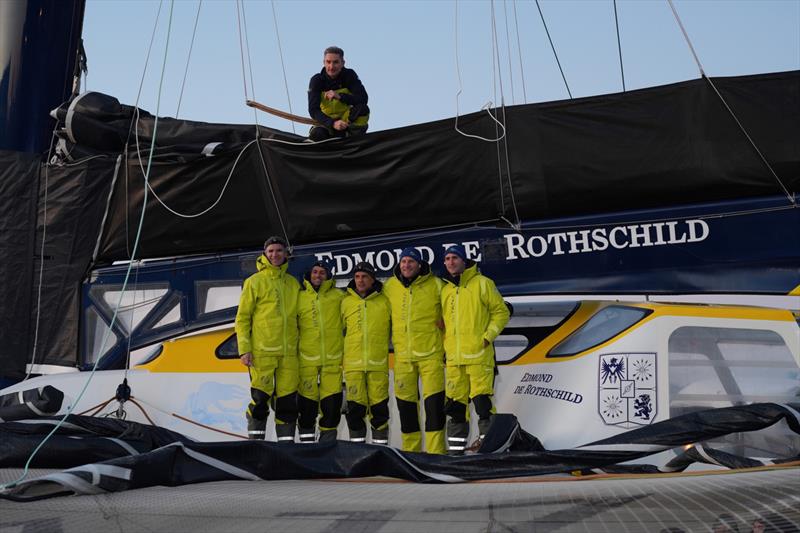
x=336, y=99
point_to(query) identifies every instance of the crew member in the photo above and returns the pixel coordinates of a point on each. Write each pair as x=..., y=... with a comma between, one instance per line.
x=415, y=297
x=366, y=316
x=321, y=345
x=266, y=332
x=337, y=99
x=474, y=315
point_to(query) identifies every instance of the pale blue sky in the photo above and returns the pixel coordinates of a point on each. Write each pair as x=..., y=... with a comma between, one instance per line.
x=405, y=51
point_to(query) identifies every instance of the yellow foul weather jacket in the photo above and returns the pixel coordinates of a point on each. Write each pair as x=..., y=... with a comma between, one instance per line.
x=416, y=313
x=366, y=320
x=474, y=312
x=320, y=322
x=266, y=322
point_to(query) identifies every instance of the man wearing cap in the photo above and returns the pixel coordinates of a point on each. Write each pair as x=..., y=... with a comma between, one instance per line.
x=366, y=316
x=266, y=332
x=474, y=315
x=415, y=297
x=320, y=323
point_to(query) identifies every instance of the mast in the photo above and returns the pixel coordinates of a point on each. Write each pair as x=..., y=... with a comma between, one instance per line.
x=39, y=44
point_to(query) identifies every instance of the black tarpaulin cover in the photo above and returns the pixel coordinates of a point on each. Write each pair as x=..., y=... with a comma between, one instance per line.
x=159, y=457
x=656, y=147
x=19, y=193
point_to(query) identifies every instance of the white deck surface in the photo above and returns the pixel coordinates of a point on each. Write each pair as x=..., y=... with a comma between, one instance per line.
x=647, y=504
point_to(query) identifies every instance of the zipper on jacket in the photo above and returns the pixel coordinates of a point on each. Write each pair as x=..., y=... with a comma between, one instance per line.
x=364, y=334
x=408, y=325
x=322, y=353
x=283, y=313
x=458, y=336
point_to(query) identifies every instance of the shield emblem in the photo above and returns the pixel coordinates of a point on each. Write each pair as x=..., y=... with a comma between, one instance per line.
x=627, y=388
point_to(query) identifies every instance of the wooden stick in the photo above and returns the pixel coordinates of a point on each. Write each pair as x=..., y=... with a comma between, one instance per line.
x=282, y=114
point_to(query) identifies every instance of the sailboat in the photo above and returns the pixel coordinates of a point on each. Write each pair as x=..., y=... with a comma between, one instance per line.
x=643, y=195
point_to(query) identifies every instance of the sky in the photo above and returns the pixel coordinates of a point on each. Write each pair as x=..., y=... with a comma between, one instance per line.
x=415, y=56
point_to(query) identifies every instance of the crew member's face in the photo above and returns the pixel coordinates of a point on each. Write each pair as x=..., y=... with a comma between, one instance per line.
x=318, y=275
x=409, y=268
x=276, y=254
x=364, y=282
x=454, y=264
x=333, y=64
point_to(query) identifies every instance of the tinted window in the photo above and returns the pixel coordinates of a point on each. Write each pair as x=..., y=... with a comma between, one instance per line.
x=604, y=325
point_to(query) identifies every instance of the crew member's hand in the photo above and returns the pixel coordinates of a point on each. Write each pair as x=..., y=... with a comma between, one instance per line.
x=340, y=125
x=332, y=95
x=246, y=359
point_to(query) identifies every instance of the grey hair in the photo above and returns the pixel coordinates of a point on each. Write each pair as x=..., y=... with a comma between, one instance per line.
x=335, y=50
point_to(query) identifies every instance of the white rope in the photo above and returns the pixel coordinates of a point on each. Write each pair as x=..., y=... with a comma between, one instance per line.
x=189, y=57
x=207, y=209
x=485, y=107
x=283, y=67
x=783, y=187
x=519, y=50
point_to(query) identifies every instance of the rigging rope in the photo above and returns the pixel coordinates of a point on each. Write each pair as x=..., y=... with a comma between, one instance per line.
x=619, y=46
x=519, y=51
x=554, y=49
x=41, y=260
x=241, y=50
x=283, y=67
x=188, y=58
x=485, y=107
x=249, y=64
x=508, y=53
x=107, y=333
x=495, y=75
x=783, y=187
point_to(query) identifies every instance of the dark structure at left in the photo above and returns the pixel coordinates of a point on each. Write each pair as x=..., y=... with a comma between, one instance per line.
x=41, y=41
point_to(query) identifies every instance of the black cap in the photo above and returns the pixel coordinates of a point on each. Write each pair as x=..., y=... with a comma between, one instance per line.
x=366, y=268
x=275, y=239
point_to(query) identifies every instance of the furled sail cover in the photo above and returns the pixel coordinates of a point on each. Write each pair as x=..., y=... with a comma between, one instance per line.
x=136, y=456
x=656, y=147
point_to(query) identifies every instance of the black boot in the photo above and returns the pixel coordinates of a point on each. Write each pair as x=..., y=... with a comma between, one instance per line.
x=307, y=435
x=327, y=435
x=285, y=432
x=380, y=436
x=457, y=434
x=256, y=429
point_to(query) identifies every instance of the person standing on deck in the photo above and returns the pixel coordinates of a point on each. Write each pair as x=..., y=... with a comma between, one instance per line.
x=415, y=297
x=366, y=317
x=337, y=99
x=321, y=345
x=266, y=332
x=474, y=315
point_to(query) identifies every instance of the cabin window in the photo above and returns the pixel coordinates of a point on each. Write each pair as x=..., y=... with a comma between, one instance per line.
x=97, y=330
x=603, y=326
x=217, y=295
x=723, y=367
x=531, y=321
x=228, y=349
